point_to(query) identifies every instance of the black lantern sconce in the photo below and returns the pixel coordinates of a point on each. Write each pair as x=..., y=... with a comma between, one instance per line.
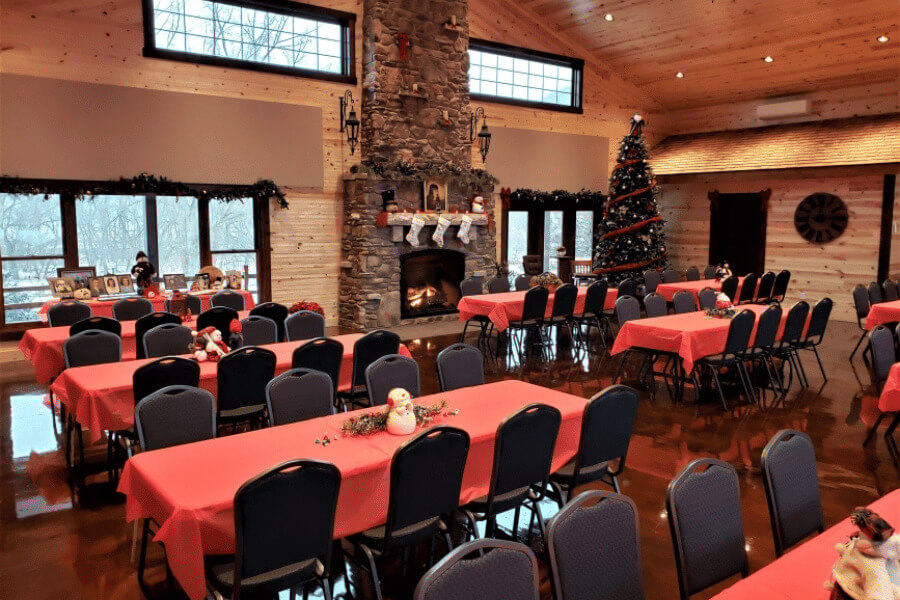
x=349, y=122
x=484, y=135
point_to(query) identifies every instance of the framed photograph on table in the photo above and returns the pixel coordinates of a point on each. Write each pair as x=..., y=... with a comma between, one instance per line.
x=97, y=287
x=201, y=282
x=434, y=194
x=176, y=281
x=235, y=280
x=61, y=287
x=80, y=276
x=111, y=282
x=126, y=284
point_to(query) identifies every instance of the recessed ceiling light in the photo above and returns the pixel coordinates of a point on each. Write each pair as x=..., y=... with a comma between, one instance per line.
x=768, y=59
x=608, y=17
x=679, y=75
x=882, y=38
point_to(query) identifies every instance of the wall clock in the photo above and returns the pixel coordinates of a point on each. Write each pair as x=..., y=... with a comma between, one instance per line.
x=821, y=218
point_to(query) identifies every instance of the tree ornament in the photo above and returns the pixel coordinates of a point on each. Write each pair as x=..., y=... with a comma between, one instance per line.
x=415, y=227
x=440, y=230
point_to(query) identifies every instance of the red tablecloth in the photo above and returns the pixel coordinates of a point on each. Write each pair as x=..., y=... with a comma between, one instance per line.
x=507, y=306
x=889, y=401
x=189, y=489
x=690, y=335
x=103, y=308
x=883, y=312
x=667, y=290
x=801, y=573
x=100, y=397
x=42, y=347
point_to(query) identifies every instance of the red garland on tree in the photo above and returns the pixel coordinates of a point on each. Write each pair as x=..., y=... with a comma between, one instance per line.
x=633, y=239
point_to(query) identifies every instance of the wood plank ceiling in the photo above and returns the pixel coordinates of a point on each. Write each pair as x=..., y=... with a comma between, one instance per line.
x=719, y=45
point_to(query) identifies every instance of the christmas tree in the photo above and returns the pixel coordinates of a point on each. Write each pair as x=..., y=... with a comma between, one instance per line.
x=632, y=239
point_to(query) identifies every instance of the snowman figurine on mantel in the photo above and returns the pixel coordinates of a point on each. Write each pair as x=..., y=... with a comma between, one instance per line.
x=401, y=418
x=478, y=205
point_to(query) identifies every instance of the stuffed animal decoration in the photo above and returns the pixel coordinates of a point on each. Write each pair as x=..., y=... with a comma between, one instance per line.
x=723, y=270
x=208, y=344
x=143, y=271
x=723, y=301
x=236, y=339
x=401, y=419
x=82, y=294
x=868, y=567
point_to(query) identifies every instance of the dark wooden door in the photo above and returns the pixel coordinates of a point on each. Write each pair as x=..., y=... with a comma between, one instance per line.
x=737, y=230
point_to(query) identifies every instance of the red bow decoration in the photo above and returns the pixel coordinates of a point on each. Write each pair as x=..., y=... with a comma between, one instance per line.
x=403, y=42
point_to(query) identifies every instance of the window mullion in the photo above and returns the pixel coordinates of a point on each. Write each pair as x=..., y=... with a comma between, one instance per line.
x=152, y=229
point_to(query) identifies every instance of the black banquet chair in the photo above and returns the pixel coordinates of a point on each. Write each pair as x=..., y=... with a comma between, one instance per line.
x=92, y=347
x=131, y=309
x=818, y=323
x=259, y=331
x=779, y=289
x=101, y=323
x=875, y=296
x=284, y=524
x=748, y=289
x=729, y=287
x=167, y=339
x=320, y=354
x=297, y=395
x=889, y=290
x=704, y=512
x=670, y=276
x=595, y=549
x=473, y=287
x=523, y=282
x=732, y=357
x=684, y=302
x=791, y=336
x=242, y=376
x=164, y=372
x=219, y=317
x=692, y=274
x=418, y=501
x=652, y=279
x=389, y=372
x=563, y=308
x=706, y=298
x=272, y=310
x=627, y=287
x=228, y=298
x=534, y=308
x=304, y=325
x=765, y=287
x=862, y=306
x=148, y=322
x=494, y=569
x=498, y=285
x=67, y=312
x=884, y=355
x=594, y=313
x=367, y=350
x=792, y=488
x=709, y=272
x=459, y=366
x=655, y=305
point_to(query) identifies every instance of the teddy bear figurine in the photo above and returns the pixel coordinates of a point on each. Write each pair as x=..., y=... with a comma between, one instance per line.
x=208, y=345
x=868, y=567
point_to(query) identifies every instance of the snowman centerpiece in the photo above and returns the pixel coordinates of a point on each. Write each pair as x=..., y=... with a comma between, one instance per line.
x=401, y=419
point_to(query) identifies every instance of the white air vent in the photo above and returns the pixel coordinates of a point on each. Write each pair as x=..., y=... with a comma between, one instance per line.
x=783, y=110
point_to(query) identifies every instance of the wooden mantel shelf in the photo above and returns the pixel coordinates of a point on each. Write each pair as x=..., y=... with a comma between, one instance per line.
x=399, y=219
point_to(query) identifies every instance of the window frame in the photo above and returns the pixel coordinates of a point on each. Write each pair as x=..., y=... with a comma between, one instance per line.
x=576, y=64
x=346, y=20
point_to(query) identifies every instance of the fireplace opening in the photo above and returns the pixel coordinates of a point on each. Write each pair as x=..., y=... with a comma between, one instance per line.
x=429, y=282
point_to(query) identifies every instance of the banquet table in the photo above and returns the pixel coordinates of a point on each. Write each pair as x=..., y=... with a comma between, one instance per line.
x=889, y=401
x=505, y=307
x=801, y=573
x=689, y=335
x=883, y=312
x=100, y=397
x=189, y=489
x=667, y=290
x=43, y=347
x=103, y=308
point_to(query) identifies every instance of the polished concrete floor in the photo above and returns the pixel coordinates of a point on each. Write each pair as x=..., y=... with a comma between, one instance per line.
x=50, y=549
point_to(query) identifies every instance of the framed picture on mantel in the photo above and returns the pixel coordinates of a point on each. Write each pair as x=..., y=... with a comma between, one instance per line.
x=434, y=194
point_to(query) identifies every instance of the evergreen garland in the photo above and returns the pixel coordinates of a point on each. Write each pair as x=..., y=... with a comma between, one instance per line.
x=144, y=184
x=410, y=171
x=585, y=198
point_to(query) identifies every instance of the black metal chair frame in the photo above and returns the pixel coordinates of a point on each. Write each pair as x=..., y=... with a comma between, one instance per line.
x=357, y=389
x=732, y=358
x=451, y=352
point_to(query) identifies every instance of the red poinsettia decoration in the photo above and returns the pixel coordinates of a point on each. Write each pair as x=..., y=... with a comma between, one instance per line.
x=304, y=305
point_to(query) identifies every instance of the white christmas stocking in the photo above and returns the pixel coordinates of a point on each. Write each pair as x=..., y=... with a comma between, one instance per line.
x=440, y=230
x=464, y=226
x=414, y=228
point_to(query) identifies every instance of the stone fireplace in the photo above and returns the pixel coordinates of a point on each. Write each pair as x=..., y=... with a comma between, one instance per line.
x=429, y=282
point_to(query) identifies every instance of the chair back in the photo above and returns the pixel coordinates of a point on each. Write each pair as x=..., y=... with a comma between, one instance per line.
x=535, y=304
x=219, y=317
x=497, y=569
x=795, y=323
x=389, y=372
x=228, y=298
x=166, y=340
x=767, y=328
x=284, y=525
x=818, y=321
x=861, y=302
x=779, y=290
x=595, y=549
x=684, y=302
x=523, y=450
x=175, y=415
x=670, y=276
x=652, y=279
x=370, y=348
x=272, y=310
x=709, y=272
x=320, y=354
x=523, y=282
x=131, y=309
x=729, y=287
x=792, y=488
x=692, y=274
x=242, y=376
x=67, y=312
x=704, y=512
x=706, y=298
x=498, y=285
x=471, y=287
x=259, y=331
x=606, y=427
x=595, y=298
x=299, y=394
x=194, y=304
x=92, y=347
x=532, y=264
x=627, y=309
x=564, y=300
x=164, y=372
x=765, y=287
x=874, y=291
x=748, y=288
x=739, y=331
x=883, y=354
x=426, y=478
x=655, y=305
x=890, y=291
x=101, y=323
x=459, y=366
x=627, y=287
x=148, y=322
x=304, y=325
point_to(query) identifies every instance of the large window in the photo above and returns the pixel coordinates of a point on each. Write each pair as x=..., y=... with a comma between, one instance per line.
x=515, y=75
x=270, y=35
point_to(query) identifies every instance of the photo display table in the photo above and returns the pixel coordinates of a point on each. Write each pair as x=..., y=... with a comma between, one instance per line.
x=506, y=307
x=103, y=308
x=189, y=489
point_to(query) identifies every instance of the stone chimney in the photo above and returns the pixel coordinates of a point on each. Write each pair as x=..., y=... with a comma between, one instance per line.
x=415, y=104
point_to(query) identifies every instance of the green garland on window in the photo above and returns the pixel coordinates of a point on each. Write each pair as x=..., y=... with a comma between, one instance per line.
x=584, y=198
x=411, y=171
x=144, y=184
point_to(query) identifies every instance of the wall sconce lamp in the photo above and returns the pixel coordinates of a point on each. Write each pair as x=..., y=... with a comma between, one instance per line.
x=349, y=122
x=484, y=135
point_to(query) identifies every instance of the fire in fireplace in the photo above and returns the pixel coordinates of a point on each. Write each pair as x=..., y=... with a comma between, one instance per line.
x=429, y=282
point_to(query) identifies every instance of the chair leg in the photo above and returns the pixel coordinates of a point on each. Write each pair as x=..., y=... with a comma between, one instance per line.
x=142, y=560
x=858, y=344
x=890, y=430
x=874, y=428
x=819, y=360
x=718, y=386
